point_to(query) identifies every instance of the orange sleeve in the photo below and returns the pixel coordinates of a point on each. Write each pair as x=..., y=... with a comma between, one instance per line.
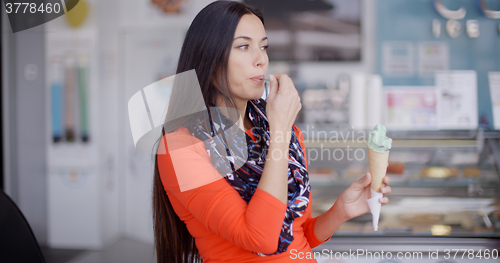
x=214, y=202
x=308, y=227
x=310, y=222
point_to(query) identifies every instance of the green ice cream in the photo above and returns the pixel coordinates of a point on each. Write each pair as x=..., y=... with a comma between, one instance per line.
x=377, y=140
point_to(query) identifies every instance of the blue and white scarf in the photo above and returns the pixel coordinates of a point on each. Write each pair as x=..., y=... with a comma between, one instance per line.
x=228, y=147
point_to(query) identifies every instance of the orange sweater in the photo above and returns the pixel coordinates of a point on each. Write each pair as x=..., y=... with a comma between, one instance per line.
x=225, y=228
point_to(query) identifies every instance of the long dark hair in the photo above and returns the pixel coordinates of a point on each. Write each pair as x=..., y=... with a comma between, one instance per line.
x=206, y=49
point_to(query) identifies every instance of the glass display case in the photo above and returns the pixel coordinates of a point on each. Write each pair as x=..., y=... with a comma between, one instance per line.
x=446, y=179
x=445, y=185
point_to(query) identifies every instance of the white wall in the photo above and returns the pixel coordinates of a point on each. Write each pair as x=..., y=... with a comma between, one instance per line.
x=108, y=43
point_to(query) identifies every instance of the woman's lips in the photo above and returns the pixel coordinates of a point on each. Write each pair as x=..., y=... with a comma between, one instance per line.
x=258, y=79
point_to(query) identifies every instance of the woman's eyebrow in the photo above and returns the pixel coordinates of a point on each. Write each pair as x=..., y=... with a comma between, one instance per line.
x=249, y=38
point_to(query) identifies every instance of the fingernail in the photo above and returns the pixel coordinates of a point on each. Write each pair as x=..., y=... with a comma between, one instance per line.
x=272, y=78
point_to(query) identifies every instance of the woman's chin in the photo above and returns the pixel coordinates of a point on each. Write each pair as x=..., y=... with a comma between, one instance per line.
x=256, y=97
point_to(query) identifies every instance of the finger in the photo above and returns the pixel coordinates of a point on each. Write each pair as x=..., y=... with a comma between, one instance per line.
x=384, y=200
x=386, y=190
x=386, y=180
x=368, y=179
x=273, y=85
x=363, y=181
x=280, y=77
x=284, y=81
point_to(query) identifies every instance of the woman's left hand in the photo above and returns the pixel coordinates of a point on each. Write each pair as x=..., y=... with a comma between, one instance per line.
x=352, y=202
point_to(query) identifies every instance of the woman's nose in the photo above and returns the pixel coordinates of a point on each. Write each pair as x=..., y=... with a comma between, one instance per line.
x=261, y=58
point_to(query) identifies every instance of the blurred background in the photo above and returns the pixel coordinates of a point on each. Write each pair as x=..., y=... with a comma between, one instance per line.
x=427, y=69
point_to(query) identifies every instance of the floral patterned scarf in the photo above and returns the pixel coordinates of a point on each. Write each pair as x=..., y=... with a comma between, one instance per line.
x=241, y=160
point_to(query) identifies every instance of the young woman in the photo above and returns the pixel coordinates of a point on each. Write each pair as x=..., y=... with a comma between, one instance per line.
x=235, y=188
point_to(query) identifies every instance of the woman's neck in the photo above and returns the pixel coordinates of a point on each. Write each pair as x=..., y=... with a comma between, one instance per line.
x=243, y=122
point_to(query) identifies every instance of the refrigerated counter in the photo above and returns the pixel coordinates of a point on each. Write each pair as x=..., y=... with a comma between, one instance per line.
x=445, y=192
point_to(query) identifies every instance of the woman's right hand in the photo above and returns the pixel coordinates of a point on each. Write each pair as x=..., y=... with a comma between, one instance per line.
x=283, y=103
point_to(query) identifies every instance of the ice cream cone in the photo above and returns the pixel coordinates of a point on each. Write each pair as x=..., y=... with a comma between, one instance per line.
x=378, y=168
x=378, y=159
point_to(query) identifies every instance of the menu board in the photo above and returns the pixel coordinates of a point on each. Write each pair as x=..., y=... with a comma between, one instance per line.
x=397, y=59
x=449, y=105
x=411, y=108
x=432, y=56
x=457, y=99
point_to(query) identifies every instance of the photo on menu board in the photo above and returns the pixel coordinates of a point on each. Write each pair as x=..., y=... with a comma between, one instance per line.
x=411, y=108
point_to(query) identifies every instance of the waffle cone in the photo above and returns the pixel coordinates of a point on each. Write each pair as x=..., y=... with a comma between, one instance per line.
x=378, y=168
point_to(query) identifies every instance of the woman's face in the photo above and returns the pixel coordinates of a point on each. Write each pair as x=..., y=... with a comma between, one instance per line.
x=248, y=59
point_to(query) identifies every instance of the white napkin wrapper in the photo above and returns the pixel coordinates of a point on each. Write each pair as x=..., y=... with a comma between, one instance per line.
x=375, y=206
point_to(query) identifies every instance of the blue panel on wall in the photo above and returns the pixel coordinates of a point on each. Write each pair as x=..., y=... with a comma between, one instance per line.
x=411, y=21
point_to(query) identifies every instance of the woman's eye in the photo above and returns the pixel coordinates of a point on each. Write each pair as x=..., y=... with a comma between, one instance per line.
x=243, y=47
x=265, y=47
